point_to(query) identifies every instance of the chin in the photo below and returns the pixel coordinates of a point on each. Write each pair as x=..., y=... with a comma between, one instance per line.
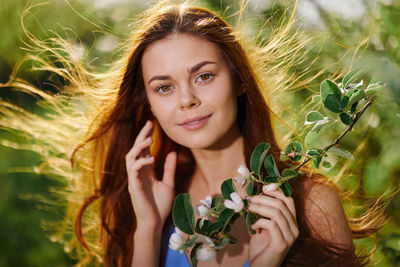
x=195, y=144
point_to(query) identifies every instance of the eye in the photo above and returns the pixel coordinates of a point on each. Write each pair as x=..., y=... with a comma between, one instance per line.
x=205, y=77
x=164, y=89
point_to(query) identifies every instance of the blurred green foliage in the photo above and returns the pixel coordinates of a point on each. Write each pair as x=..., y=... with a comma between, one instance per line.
x=376, y=144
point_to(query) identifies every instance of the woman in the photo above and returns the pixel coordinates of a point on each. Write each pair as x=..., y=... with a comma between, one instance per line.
x=183, y=110
x=189, y=79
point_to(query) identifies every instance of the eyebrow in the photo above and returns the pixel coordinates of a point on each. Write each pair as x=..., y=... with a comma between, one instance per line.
x=191, y=70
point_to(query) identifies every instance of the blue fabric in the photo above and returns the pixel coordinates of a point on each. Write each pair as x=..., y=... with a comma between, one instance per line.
x=174, y=258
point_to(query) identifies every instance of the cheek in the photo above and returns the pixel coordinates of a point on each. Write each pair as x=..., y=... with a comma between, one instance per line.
x=163, y=111
x=225, y=101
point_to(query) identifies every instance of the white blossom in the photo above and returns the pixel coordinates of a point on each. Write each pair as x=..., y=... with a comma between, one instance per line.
x=243, y=173
x=205, y=254
x=236, y=203
x=203, y=210
x=176, y=241
x=207, y=202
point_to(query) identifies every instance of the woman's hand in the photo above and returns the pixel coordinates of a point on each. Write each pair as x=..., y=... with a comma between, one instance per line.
x=151, y=199
x=276, y=231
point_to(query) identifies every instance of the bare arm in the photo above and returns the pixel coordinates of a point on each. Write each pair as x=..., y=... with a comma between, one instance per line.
x=146, y=247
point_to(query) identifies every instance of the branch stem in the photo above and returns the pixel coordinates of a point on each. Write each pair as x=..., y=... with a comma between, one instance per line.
x=358, y=115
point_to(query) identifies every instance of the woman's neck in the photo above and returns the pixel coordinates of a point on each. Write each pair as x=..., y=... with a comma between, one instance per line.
x=214, y=166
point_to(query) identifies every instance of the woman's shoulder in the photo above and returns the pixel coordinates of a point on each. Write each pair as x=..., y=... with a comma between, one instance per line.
x=324, y=213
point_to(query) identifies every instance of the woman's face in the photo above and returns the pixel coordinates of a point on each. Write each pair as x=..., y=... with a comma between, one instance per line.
x=189, y=88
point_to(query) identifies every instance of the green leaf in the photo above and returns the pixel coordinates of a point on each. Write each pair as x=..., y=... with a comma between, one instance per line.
x=225, y=216
x=357, y=96
x=202, y=230
x=287, y=189
x=316, y=156
x=313, y=116
x=251, y=190
x=311, y=138
x=318, y=126
x=270, y=166
x=251, y=218
x=353, y=108
x=346, y=118
x=315, y=98
x=313, y=152
x=343, y=103
x=289, y=173
x=351, y=77
x=316, y=161
x=227, y=188
x=341, y=152
x=332, y=103
x=374, y=88
x=283, y=157
x=217, y=200
x=257, y=157
x=183, y=213
x=350, y=92
x=193, y=255
x=213, y=227
x=330, y=96
x=223, y=243
x=271, y=179
x=296, y=147
x=326, y=164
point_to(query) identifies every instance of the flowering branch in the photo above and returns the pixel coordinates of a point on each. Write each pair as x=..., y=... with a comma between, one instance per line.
x=211, y=231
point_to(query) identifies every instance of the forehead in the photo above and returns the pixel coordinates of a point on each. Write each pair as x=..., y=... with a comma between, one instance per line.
x=179, y=51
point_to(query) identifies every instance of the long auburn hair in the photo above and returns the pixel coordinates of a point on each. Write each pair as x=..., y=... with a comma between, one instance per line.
x=118, y=109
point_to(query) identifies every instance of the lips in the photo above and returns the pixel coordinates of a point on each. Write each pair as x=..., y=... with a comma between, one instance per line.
x=195, y=123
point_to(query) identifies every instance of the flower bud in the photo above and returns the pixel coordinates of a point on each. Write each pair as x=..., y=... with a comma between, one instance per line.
x=205, y=254
x=243, y=171
x=270, y=187
x=176, y=241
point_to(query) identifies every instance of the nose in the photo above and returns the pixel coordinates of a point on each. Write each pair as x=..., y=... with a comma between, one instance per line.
x=188, y=99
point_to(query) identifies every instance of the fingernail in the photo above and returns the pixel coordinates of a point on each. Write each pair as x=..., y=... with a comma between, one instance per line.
x=270, y=187
x=248, y=199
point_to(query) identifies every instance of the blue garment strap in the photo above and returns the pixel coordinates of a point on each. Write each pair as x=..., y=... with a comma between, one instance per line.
x=174, y=258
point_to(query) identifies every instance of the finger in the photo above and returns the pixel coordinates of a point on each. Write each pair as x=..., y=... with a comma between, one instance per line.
x=277, y=238
x=138, y=148
x=280, y=195
x=277, y=204
x=140, y=163
x=169, y=169
x=144, y=132
x=275, y=215
x=133, y=169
